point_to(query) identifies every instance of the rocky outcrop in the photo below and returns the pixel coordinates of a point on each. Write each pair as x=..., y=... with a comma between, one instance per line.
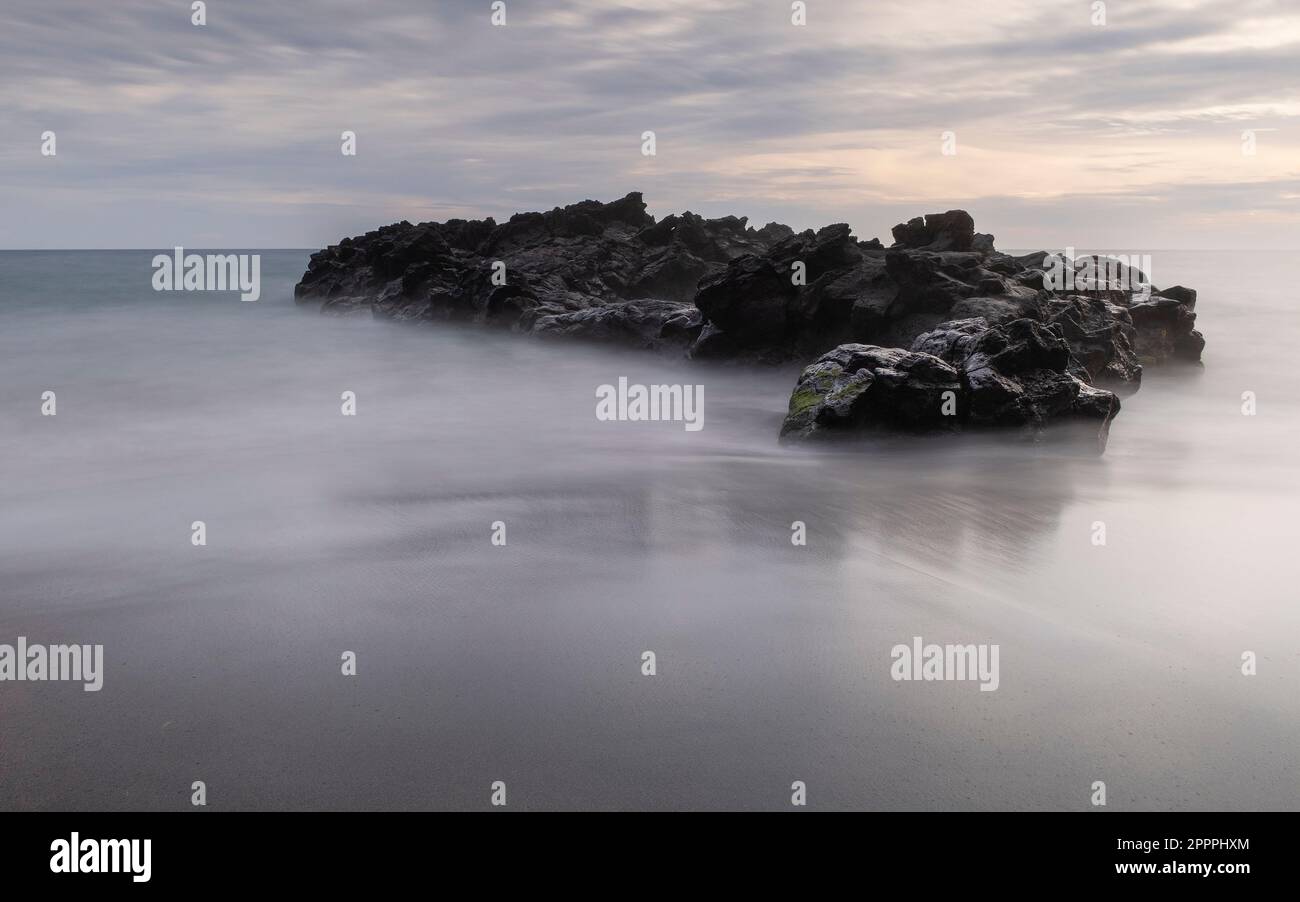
x=1101, y=336
x=962, y=375
x=1019, y=343
x=1165, y=326
x=859, y=386
x=605, y=271
x=951, y=231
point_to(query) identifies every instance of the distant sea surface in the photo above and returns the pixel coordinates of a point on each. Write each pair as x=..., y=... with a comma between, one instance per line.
x=476, y=663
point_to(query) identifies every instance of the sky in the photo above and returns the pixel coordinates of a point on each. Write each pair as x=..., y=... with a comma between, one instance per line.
x=1130, y=135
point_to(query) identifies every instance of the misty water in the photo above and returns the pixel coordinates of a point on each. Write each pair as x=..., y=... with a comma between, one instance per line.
x=522, y=663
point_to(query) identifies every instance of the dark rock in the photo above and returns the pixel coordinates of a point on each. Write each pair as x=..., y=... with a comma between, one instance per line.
x=1031, y=279
x=1108, y=272
x=952, y=342
x=650, y=324
x=793, y=293
x=871, y=315
x=1165, y=331
x=1101, y=337
x=1017, y=375
x=962, y=375
x=599, y=270
x=1037, y=260
x=951, y=231
x=1015, y=302
x=1184, y=296
x=1025, y=350
x=858, y=386
x=751, y=301
x=932, y=282
x=713, y=344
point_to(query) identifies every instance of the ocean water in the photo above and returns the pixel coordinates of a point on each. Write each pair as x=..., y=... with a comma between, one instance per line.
x=477, y=663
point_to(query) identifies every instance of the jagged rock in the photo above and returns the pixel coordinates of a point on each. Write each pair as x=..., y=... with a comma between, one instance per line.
x=932, y=282
x=761, y=302
x=1165, y=330
x=1184, y=296
x=858, y=386
x=562, y=265
x=1017, y=375
x=961, y=375
x=1031, y=340
x=1101, y=337
x=951, y=231
x=1105, y=272
x=872, y=312
x=647, y=324
x=953, y=341
x=600, y=270
x=751, y=301
x=713, y=344
x=1008, y=303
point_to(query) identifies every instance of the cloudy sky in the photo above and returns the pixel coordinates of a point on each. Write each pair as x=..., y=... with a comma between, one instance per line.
x=1121, y=136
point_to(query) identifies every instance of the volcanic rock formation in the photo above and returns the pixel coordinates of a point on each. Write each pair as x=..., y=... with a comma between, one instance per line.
x=940, y=321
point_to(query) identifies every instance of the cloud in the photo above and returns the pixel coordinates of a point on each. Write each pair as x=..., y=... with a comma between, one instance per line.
x=167, y=130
